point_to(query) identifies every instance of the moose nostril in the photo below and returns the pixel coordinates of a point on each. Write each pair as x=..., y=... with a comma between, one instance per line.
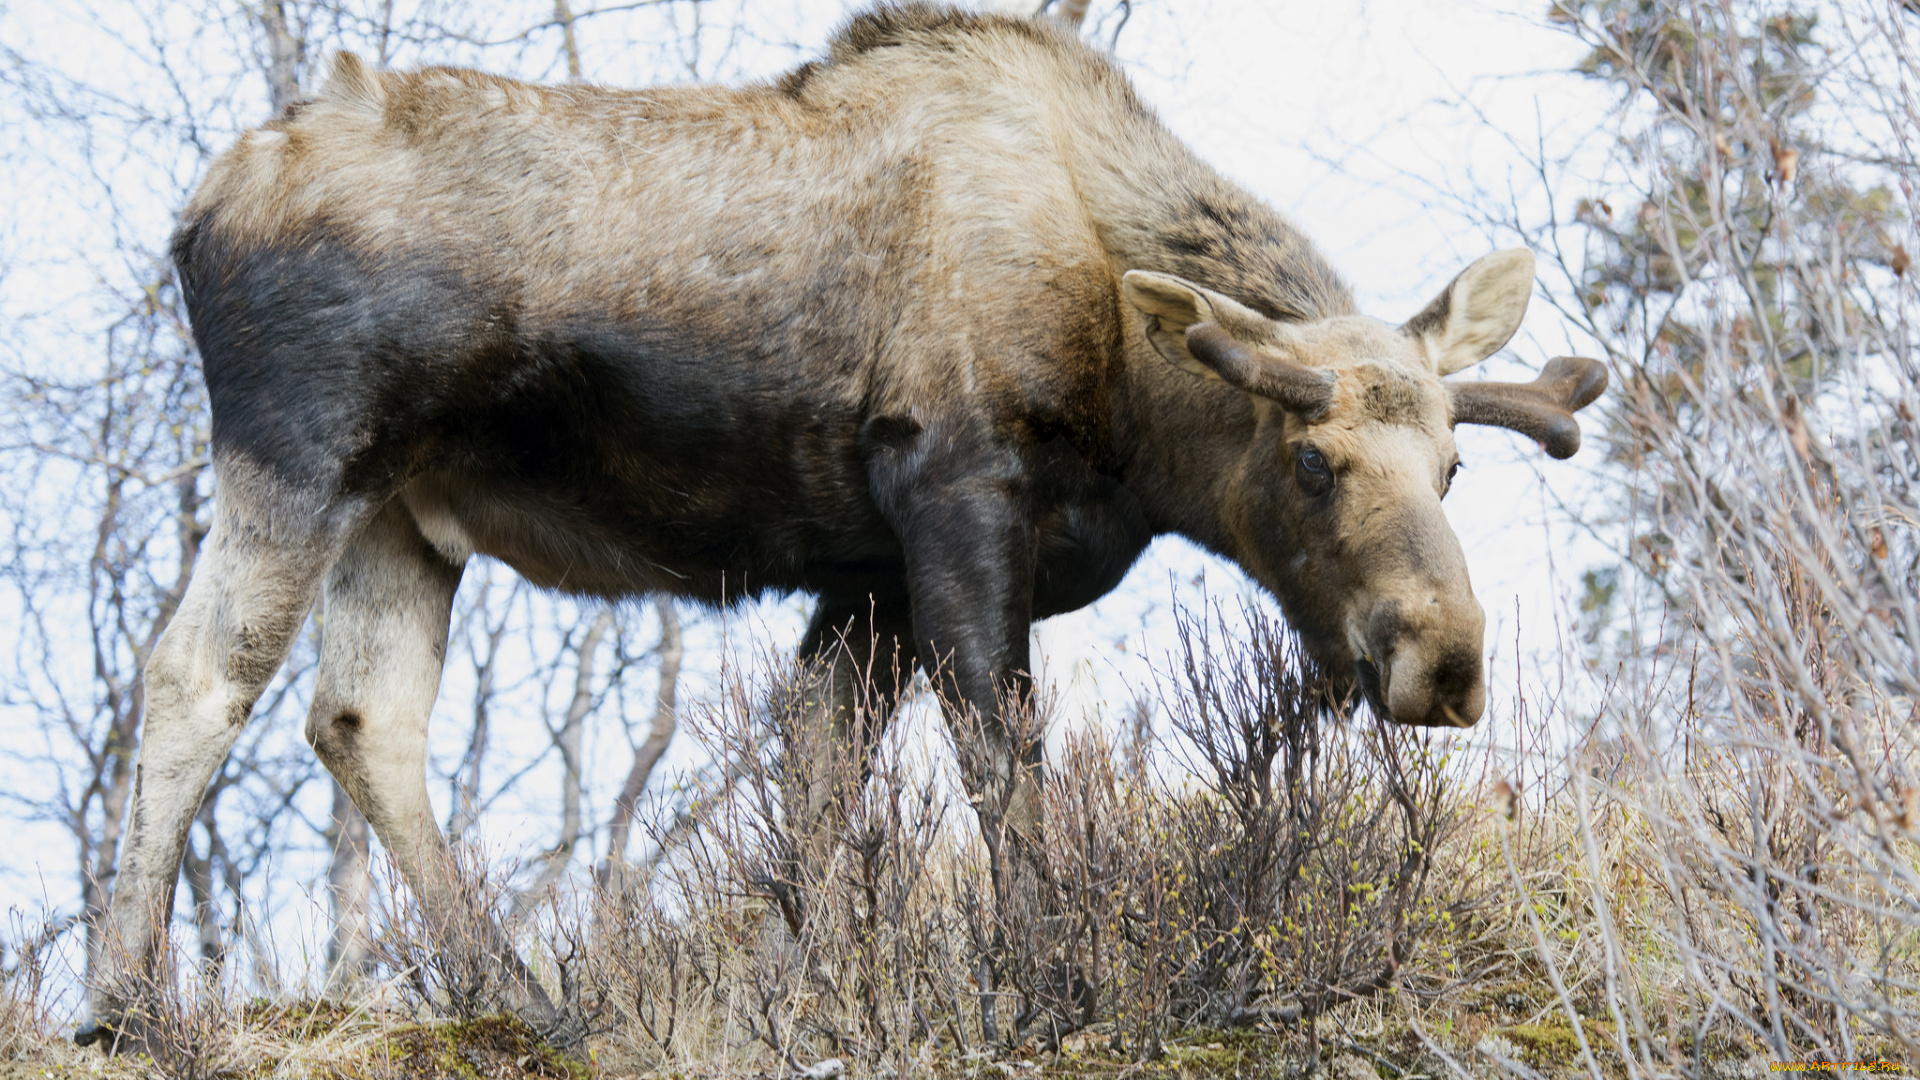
x=1456, y=676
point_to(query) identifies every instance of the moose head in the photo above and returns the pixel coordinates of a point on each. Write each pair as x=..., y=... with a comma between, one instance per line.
x=1338, y=493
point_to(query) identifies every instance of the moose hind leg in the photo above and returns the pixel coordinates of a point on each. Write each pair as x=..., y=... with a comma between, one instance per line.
x=249, y=593
x=856, y=659
x=862, y=649
x=383, y=639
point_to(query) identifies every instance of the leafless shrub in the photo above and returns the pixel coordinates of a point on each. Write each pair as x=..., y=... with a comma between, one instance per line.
x=1020, y=933
x=1289, y=879
x=183, y=1020
x=1740, y=848
x=462, y=967
x=23, y=977
x=1311, y=846
x=833, y=910
x=840, y=850
x=648, y=974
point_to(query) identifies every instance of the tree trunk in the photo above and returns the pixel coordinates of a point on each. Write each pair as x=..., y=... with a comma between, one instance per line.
x=659, y=735
x=349, y=884
x=466, y=781
x=286, y=51
x=563, y=18
x=568, y=738
x=197, y=869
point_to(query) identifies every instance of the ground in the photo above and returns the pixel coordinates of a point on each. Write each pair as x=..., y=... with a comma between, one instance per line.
x=308, y=1039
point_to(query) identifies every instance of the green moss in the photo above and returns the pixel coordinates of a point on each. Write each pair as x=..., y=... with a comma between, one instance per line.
x=502, y=1045
x=1553, y=1041
x=489, y=1048
x=309, y=1019
x=1208, y=1053
x=1190, y=1054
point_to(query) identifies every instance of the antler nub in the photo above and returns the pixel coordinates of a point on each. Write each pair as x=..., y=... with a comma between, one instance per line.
x=1302, y=389
x=1542, y=409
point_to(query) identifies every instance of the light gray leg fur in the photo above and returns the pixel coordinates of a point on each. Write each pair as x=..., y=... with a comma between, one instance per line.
x=383, y=639
x=250, y=592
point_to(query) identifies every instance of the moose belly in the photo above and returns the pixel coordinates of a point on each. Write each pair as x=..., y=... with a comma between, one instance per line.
x=612, y=463
x=616, y=457
x=580, y=541
x=1082, y=549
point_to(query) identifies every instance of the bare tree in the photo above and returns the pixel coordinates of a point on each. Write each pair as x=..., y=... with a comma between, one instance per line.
x=1743, y=258
x=569, y=44
x=485, y=633
x=567, y=737
x=647, y=755
x=349, y=886
x=284, y=51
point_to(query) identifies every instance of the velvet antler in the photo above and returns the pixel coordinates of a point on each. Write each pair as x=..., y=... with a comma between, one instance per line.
x=1299, y=388
x=1542, y=409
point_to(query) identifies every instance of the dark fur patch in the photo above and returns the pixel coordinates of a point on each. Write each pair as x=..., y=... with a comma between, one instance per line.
x=338, y=742
x=893, y=25
x=794, y=82
x=1090, y=535
x=593, y=454
x=1228, y=240
x=314, y=354
x=1390, y=396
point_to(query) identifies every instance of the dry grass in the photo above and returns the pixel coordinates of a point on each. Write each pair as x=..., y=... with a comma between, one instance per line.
x=1310, y=889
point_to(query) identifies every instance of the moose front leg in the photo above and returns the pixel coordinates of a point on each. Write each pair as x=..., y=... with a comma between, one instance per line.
x=960, y=503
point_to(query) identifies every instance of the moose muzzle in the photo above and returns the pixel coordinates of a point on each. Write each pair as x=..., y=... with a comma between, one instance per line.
x=1421, y=664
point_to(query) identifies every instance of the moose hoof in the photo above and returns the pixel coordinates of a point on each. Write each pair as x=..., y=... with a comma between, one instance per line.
x=92, y=1031
x=104, y=1031
x=112, y=1032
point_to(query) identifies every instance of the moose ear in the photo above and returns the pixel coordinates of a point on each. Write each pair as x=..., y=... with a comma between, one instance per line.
x=1173, y=305
x=1477, y=313
x=1191, y=326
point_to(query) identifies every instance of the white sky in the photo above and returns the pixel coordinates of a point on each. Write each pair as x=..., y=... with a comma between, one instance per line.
x=1361, y=121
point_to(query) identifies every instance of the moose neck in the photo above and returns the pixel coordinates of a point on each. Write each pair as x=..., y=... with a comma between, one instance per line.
x=1155, y=206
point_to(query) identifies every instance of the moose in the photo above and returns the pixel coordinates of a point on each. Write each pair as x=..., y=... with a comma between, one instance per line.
x=943, y=328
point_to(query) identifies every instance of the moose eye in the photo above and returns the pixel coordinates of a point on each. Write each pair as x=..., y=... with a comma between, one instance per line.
x=1311, y=470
